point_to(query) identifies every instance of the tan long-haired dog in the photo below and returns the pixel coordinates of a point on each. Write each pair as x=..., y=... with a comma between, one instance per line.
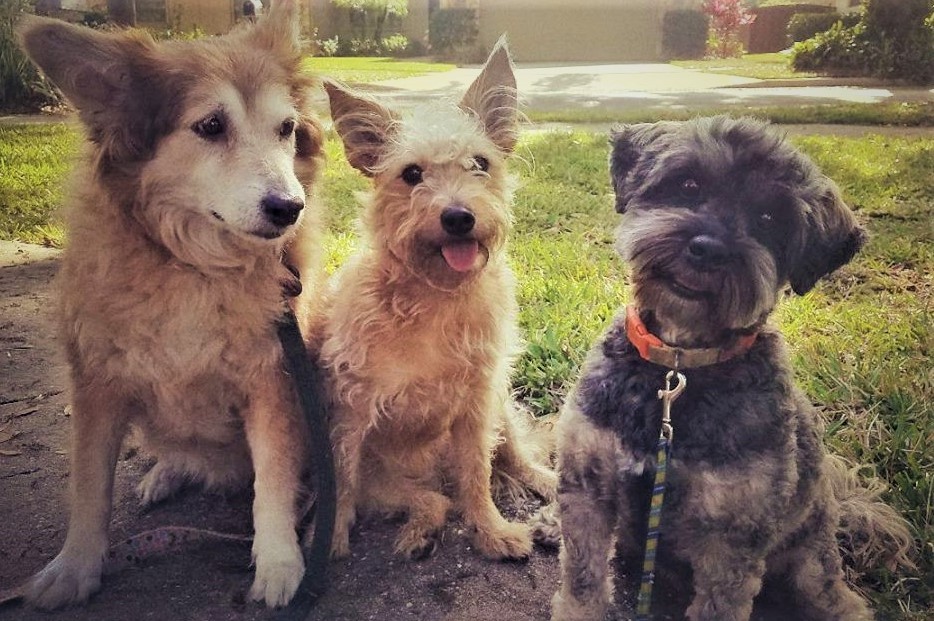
x=421, y=334
x=192, y=192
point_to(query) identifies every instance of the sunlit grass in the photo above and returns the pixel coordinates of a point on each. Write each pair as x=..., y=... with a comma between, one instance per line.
x=370, y=69
x=770, y=66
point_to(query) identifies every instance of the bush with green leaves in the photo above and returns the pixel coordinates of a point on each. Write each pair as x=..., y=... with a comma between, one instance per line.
x=22, y=87
x=684, y=34
x=452, y=30
x=369, y=19
x=893, y=39
x=803, y=26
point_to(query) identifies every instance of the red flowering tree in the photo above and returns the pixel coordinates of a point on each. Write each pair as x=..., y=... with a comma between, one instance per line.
x=726, y=19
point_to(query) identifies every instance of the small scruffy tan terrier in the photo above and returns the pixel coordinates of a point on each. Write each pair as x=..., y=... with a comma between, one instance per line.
x=421, y=331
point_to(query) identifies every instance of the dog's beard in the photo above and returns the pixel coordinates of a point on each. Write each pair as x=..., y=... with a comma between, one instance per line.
x=692, y=306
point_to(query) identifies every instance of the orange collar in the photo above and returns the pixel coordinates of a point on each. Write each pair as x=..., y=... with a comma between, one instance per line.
x=652, y=348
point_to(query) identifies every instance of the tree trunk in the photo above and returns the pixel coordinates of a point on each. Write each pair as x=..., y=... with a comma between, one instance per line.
x=122, y=12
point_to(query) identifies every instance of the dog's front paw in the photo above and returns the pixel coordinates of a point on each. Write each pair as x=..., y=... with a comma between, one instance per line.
x=278, y=574
x=68, y=579
x=417, y=543
x=506, y=541
x=565, y=607
x=546, y=526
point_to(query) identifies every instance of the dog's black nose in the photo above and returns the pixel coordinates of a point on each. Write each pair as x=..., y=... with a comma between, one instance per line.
x=706, y=251
x=457, y=220
x=282, y=210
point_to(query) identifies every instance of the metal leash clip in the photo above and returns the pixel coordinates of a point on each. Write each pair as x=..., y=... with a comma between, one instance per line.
x=668, y=396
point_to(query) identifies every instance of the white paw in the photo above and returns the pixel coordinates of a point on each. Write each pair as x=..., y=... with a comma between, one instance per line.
x=278, y=573
x=69, y=578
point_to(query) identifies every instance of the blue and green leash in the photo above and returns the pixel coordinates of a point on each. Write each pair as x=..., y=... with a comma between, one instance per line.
x=662, y=456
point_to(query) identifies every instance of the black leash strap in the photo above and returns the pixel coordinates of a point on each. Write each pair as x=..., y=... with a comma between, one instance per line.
x=309, y=386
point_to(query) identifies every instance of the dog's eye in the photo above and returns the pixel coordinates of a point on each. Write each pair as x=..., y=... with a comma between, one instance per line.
x=481, y=163
x=287, y=128
x=689, y=188
x=412, y=174
x=766, y=218
x=210, y=127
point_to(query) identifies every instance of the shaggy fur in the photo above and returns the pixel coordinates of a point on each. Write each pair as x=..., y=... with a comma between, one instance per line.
x=189, y=197
x=422, y=329
x=718, y=216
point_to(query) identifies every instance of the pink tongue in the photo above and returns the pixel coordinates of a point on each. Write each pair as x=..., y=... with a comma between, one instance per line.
x=461, y=255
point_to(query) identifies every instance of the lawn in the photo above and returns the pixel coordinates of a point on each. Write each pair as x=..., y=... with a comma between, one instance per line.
x=370, y=69
x=772, y=66
x=861, y=341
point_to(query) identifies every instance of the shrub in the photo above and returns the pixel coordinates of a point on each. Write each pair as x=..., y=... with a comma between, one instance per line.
x=22, y=87
x=452, y=30
x=684, y=34
x=893, y=39
x=369, y=18
x=726, y=19
x=803, y=26
x=393, y=45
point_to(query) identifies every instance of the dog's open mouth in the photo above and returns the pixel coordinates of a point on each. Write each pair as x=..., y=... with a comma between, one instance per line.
x=461, y=255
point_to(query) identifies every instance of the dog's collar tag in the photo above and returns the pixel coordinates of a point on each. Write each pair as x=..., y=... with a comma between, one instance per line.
x=654, y=350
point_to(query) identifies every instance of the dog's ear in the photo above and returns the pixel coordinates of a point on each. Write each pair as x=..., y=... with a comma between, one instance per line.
x=493, y=98
x=363, y=124
x=279, y=30
x=627, y=144
x=107, y=76
x=832, y=238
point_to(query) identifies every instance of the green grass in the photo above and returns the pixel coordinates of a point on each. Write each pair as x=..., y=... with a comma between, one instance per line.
x=861, y=342
x=371, y=69
x=35, y=160
x=773, y=66
x=905, y=114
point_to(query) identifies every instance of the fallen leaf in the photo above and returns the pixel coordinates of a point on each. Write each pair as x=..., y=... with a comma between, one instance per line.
x=7, y=434
x=6, y=453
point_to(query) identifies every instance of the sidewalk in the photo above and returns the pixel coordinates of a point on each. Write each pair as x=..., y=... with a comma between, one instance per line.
x=647, y=86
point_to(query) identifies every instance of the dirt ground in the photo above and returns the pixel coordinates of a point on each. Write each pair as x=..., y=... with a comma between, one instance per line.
x=206, y=580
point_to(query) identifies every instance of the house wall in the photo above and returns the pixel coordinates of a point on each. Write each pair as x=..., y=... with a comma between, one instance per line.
x=212, y=16
x=586, y=30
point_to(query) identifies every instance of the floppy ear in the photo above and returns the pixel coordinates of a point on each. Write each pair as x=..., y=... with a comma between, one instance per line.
x=832, y=238
x=493, y=98
x=363, y=124
x=105, y=76
x=627, y=144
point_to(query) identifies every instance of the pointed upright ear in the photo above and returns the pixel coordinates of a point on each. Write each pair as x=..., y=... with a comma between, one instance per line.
x=280, y=28
x=106, y=76
x=627, y=145
x=363, y=124
x=88, y=66
x=832, y=237
x=493, y=98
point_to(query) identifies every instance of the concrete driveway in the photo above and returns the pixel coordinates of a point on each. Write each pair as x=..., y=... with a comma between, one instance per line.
x=646, y=86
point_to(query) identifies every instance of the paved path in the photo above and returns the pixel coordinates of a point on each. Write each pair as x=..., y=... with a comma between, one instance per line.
x=647, y=86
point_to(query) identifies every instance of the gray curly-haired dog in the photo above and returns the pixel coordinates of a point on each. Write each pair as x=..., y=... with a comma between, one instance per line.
x=719, y=215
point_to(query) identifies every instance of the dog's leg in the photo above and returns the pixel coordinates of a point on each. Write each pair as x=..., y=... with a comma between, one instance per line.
x=276, y=452
x=98, y=425
x=472, y=448
x=515, y=460
x=587, y=528
x=348, y=435
x=727, y=577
